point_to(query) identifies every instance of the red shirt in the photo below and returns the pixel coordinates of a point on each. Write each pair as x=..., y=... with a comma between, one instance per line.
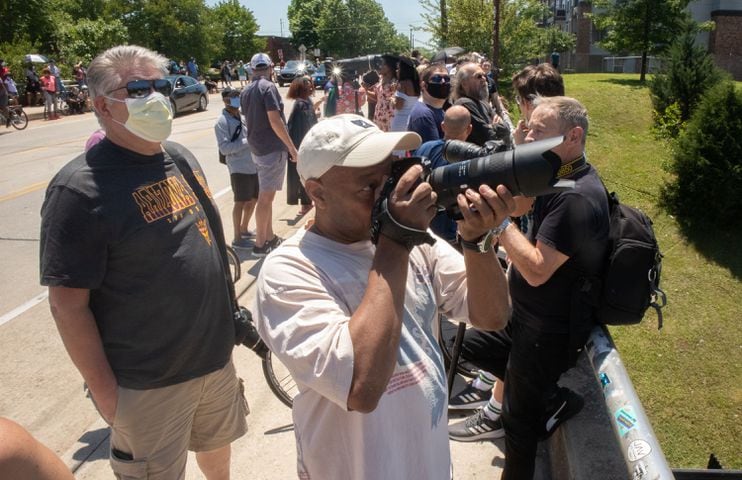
x=49, y=83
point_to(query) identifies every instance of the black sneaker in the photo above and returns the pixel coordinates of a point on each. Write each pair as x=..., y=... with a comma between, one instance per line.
x=470, y=398
x=476, y=427
x=564, y=404
x=267, y=247
x=242, y=243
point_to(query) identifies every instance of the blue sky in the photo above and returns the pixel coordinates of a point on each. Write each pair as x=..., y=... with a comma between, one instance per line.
x=402, y=13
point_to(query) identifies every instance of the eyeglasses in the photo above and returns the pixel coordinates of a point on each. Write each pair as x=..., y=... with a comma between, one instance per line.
x=142, y=88
x=440, y=79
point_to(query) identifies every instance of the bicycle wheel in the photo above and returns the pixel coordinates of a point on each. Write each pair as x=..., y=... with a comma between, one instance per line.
x=235, y=267
x=18, y=119
x=279, y=379
x=446, y=337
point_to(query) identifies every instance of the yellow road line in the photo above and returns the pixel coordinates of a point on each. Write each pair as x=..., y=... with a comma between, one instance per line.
x=24, y=191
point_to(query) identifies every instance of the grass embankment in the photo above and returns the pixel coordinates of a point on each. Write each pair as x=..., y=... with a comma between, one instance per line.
x=689, y=374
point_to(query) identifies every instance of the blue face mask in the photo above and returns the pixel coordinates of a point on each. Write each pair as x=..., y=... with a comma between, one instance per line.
x=234, y=102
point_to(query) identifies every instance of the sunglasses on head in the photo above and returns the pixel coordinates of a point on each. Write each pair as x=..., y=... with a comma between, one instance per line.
x=142, y=88
x=440, y=79
x=479, y=75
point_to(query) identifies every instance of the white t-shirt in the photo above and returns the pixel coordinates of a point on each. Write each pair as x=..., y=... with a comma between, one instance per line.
x=307, y=291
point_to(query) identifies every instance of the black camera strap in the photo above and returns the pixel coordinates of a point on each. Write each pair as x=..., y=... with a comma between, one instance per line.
x=575, y=166
x=215, y=223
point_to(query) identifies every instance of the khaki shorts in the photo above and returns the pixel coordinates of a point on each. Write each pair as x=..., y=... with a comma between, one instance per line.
x=154, y=429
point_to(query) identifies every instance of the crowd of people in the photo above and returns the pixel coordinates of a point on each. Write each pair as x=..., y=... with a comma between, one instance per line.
x=349, y=304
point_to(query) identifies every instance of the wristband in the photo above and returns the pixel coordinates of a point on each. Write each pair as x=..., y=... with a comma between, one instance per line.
x=384, y=224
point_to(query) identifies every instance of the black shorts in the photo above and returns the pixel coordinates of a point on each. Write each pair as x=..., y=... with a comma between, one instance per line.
x=244, y=186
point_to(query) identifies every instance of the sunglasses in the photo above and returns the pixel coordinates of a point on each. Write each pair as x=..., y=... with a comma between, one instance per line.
x=479, y=76
x=142, y=88
x=440, y=79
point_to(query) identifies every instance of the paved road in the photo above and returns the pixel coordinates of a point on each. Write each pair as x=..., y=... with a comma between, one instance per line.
x=39, y=386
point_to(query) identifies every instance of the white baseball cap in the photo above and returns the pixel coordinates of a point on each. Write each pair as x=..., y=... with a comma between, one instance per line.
x=348, y=141
x=260, y=60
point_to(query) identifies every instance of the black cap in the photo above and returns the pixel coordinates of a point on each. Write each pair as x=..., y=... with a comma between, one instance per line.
x=227, y=92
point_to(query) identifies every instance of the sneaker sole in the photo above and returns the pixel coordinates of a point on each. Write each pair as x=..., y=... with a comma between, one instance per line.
x=493, y=435
x=469, y=406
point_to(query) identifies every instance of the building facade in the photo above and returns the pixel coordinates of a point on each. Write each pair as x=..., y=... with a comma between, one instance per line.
x=724, y=43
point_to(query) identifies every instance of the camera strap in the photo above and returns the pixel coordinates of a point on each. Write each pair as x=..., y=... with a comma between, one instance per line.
x=575, y=166
x=215, y=223
x=384, y=224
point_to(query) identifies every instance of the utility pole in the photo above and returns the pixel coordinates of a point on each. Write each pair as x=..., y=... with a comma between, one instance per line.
x=281, y=20
x=496, y=37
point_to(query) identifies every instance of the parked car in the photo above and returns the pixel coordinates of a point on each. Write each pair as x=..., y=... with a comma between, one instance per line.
x=320, y=76
x=187, y=94
x=292, y=69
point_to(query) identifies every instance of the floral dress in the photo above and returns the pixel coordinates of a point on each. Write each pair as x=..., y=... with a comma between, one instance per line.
x=384, y=105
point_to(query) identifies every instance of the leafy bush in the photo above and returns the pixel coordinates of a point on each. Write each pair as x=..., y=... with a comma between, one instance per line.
x=688, y=72
x=708, y=162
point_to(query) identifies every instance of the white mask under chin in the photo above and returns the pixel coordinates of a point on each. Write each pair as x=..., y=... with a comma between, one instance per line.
x=150, y=117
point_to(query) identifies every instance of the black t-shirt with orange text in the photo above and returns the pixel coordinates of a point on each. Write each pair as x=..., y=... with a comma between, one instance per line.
x=129, y=228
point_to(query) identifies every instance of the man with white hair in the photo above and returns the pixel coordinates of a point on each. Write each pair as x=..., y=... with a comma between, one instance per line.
x=355, y=322
x=137, y=285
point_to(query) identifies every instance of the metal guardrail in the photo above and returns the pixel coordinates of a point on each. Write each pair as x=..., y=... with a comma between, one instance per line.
x=641, y=450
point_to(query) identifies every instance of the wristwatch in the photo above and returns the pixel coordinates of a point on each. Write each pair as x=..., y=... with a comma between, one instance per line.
x=484, y=243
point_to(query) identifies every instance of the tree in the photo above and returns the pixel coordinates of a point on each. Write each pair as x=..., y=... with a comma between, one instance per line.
x=470, y=27
x=639, y=26
x=688, y=72
x=304, y=18
x=707, y=163
x=179, y=29
x=348, y=28
x=83, y=39
x=26, y=19
x=237, y=27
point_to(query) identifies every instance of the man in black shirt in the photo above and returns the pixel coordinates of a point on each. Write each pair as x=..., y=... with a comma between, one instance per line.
x=137, y=285
x=550, y=323
x=470, y=89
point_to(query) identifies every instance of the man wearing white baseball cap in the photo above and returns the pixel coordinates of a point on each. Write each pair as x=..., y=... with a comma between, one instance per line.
x=355, y=322
x=270, y=144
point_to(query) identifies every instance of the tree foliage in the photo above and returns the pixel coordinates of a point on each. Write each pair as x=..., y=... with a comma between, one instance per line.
x=344, y=28
x=237, y=29
x=708, y=162
x=470, y=26
x=688, y=72
x=645, y=27
x=304, y=18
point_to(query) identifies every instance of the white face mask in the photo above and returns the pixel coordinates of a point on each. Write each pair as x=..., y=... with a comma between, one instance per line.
x=150, y=117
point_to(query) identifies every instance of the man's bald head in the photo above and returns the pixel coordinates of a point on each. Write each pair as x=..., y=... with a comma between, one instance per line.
x=457, y=123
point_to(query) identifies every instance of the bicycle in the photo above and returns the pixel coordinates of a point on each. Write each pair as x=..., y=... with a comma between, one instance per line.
x=276, y=374
x=16, y=117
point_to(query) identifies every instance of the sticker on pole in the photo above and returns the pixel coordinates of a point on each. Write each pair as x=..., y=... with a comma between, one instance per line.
x=625, y=420
x=638, y=449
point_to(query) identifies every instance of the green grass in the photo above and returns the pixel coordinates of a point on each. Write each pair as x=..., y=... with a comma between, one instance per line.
x=689, y=374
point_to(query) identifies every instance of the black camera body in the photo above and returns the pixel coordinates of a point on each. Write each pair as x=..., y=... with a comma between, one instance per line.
x=246, y=334
x=529, y=169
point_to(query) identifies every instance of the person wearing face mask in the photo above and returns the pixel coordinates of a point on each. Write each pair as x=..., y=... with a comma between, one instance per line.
x=427, y=114
x=136, y=281
x=231, y=138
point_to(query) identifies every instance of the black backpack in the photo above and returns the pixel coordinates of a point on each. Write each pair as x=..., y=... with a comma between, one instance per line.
x=631, y=276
